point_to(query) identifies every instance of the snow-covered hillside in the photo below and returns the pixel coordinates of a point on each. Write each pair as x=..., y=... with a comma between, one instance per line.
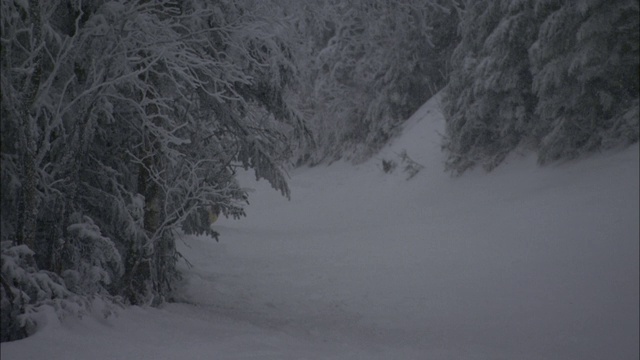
x=521, y=263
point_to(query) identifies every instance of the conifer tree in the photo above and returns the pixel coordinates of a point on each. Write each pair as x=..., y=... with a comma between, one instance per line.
x=585, y=64
x=557, y=77
x=488, y=101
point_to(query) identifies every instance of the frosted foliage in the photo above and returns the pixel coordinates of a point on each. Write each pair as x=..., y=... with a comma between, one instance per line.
x=122, y=120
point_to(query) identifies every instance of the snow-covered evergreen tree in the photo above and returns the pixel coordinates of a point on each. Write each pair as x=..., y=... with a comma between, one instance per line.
x=585, y=65
x=559, y=77
x=488, y=102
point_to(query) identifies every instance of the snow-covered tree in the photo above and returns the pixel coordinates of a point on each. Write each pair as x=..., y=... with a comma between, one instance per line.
x=488, y=102
x=366, y=66
x=559, y=77
x=121, y=122
x=585, y=64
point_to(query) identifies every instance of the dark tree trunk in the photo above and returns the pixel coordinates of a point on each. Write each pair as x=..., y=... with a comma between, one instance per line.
x=27, y=231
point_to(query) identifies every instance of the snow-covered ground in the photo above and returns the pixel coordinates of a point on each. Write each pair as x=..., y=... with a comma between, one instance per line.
x=521, y=263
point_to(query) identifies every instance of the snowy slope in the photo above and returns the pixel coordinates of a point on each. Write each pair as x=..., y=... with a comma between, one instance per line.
x=521, y=263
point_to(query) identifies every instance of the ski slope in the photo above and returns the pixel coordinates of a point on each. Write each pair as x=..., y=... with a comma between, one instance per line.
x=521, y=263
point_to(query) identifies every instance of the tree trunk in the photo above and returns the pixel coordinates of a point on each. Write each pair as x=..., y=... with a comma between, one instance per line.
x=27, y=232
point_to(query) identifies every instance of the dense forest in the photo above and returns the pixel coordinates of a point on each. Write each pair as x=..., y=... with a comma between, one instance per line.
x=558, y=77
x=124, y=122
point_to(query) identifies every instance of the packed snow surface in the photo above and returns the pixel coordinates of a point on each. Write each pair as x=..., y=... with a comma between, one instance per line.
x=525, y=262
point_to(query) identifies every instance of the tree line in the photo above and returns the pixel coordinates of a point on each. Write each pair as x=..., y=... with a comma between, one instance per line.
x=557, y=77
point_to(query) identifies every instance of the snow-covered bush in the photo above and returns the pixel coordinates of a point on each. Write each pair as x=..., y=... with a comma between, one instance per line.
x=95, y=262
x=409, y=166
x=29, y=296
x=25, y=289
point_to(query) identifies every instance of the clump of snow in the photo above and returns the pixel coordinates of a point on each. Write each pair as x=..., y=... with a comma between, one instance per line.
x=525, y=262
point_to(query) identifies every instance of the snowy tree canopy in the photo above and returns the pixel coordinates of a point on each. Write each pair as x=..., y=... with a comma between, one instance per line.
x=122, y=121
